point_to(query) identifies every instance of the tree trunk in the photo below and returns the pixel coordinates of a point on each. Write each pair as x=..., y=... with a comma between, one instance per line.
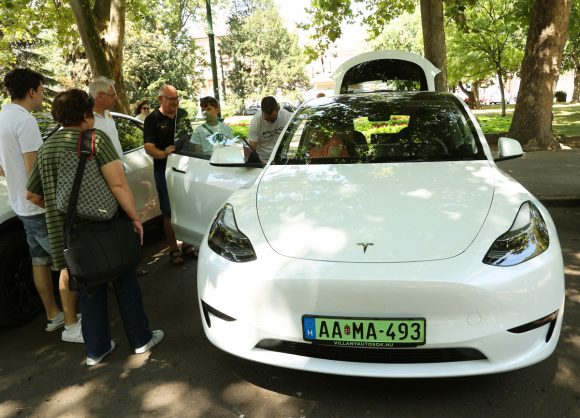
x=501, y=91
x=433, y=26
x=576, y=92
x=104, y=48
x=532, y=121
x=90, y=38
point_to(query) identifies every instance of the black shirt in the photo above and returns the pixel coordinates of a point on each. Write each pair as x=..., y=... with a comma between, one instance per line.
x=161, y=130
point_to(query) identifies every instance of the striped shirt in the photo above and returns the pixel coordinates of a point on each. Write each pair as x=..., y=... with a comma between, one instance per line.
x=43, y=180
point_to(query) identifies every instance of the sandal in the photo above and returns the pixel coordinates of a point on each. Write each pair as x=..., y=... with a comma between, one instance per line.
x=189, y=251
x=176, y=257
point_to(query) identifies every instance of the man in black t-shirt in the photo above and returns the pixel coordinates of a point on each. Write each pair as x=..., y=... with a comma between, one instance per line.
x=162, y=127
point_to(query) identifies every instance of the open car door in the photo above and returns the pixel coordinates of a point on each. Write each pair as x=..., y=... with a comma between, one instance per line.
x=385, y=71
x=197, y=189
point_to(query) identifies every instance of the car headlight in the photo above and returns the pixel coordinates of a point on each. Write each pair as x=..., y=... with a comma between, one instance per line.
x=227, y=240
x=527, y=238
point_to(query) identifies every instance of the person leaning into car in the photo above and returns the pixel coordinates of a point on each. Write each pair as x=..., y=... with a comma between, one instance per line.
x=162, y=126
x=19, y=143
x=266, y=126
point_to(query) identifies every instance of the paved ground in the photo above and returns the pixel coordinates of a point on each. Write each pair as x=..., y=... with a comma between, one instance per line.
x=186, y=376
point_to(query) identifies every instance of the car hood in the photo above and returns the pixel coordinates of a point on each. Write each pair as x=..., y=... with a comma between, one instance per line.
x=399, y=212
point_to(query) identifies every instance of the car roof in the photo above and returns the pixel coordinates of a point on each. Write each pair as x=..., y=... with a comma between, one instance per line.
x=385, y=65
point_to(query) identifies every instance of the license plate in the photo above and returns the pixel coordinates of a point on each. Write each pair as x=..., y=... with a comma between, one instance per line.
x=364, y=332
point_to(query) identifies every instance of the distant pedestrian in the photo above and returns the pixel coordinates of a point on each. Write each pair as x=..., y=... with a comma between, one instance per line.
x=162, y=127
x=19, y=143
x=142, y=110
x=212, y=130
x=102, y=90
x=266, y=126
x=73, y=109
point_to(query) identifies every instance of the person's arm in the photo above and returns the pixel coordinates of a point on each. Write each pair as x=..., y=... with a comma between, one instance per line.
x=34, y=191
x=115, y=177
x=37, y=199
x=156, y=153
x=29, y=158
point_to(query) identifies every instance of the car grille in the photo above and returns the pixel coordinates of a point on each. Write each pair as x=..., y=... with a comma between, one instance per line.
x=372, y=355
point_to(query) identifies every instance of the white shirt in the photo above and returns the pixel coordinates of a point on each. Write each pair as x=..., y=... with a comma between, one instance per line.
x=19, y=134
x=202, y=136
x=107, y=125
x=265, y=133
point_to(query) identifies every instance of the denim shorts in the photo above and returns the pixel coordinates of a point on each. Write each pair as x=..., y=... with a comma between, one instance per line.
x=37, y=238
x=161, y=185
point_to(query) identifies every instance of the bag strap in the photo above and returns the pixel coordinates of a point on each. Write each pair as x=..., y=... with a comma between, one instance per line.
x=207, y=129
x=85, y=150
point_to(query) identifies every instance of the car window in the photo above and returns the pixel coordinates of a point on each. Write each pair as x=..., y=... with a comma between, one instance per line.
x=374, y=128
x=384, y=75
x=130, y=133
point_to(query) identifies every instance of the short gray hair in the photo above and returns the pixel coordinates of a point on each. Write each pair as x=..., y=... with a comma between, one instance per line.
x=100, y=84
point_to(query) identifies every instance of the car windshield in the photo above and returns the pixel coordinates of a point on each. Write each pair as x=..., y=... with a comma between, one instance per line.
x=380, y=127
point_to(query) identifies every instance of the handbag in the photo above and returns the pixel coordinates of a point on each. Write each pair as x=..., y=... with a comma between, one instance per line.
x=95, y=200
x=96, y=251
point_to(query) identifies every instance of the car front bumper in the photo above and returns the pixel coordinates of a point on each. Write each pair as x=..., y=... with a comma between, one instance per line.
x=254, y=310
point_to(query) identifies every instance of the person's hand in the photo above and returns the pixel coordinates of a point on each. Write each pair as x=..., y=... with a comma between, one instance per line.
x=138, y=229
x=169, y=149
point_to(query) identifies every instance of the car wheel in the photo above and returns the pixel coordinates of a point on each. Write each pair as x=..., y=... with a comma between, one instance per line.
x=19, y=300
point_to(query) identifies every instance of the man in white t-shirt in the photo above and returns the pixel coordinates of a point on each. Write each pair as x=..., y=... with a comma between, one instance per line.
x=266, y=126
x=102, y=90
x=19, y=142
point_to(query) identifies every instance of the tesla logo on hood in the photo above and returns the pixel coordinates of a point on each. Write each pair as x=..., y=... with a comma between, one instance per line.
x=365, y=245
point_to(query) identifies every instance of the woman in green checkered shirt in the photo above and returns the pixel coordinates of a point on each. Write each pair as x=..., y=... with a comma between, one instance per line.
x=73, y=109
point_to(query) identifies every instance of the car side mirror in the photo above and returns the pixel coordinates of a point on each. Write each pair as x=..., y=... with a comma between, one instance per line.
x=232, y=156
x=507, y=149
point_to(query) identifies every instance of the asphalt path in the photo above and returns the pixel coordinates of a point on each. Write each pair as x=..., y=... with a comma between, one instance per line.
x=185, y=376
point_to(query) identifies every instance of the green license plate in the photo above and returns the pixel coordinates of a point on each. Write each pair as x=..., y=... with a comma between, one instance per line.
x=364, y=332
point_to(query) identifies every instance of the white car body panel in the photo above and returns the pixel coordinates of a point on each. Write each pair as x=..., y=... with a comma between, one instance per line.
x=6, y=212
x=466, y=303
x=297, y=208
x=209, y=185
x=429, y=69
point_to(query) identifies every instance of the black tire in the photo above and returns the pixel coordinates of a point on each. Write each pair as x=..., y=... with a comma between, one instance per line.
x=19, y=300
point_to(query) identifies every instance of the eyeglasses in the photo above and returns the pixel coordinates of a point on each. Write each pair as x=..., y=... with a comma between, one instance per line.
x=173, y=99
x=145, y=108
x=114, y=94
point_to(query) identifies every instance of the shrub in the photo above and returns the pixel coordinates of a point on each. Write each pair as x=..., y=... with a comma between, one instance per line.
x=560, y=96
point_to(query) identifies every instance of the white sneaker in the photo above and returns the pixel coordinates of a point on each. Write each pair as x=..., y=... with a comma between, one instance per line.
x=156, y=337
x=73, y=333
x=95, y=361
x=55, y=323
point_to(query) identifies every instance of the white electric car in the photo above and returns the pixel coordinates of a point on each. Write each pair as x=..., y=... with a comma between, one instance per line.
x=380, y=239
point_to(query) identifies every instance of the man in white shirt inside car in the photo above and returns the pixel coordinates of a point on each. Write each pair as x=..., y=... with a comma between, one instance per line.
x=266, y=126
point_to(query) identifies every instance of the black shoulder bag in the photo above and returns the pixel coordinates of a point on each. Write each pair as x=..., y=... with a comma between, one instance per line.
x=97, y=251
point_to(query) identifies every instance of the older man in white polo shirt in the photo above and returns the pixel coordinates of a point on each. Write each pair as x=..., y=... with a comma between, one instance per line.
x=102, y=90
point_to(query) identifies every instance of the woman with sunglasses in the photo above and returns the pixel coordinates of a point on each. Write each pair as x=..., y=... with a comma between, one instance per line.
x=142, y=110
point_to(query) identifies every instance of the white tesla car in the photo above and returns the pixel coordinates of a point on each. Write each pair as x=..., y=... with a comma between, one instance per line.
x=380, y=239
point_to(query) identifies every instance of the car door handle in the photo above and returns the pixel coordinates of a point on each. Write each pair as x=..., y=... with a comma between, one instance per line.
x=178, y=171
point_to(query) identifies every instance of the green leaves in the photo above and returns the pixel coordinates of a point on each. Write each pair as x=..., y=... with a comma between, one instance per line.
x=260, y=55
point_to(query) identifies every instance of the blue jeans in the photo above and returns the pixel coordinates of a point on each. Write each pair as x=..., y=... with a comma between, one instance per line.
x=95, y=317
x=37, y=238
